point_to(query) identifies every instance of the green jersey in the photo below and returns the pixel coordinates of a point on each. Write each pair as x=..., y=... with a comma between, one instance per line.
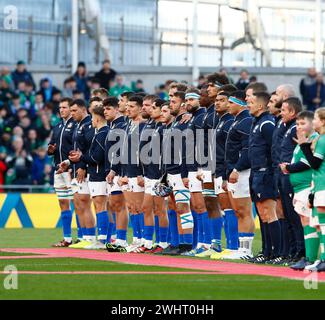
x=301, y=180
x=319, y=174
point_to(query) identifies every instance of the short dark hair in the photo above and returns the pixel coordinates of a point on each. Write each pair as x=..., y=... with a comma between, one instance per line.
x=239, y=94
x=193, y=90
x=138, y=99
x=294, y=103
x=151, y=97
x=262, y=96
x=101, y=91
x=66, y=99
x=93, y=99
x=127, y=94
x=76, y=91
x=159, y=102
x=306, y=114
x=257, y=87
x=230, y=88
x=217, y=77
x=106, y=61
x=79, y=102
x=180, y=94
x=99, y=110
x=179, y=86
x=166, y=103
x=110, y=102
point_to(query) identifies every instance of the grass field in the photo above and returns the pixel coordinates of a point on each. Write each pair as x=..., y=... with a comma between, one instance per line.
x=127, y=284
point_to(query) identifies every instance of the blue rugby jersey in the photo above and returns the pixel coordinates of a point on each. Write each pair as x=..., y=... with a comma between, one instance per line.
x=150, y=150
x=95, y=157
x=222, y=129
x=133, y=167
x=210, y=122
x=116, y=134
x=195, y=126
x=172, y=164
x=236, y=155
x=82, y=137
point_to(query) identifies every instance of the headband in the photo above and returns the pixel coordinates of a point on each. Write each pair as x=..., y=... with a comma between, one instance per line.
x=217, y=84
x=237, y=101
x=192, y=95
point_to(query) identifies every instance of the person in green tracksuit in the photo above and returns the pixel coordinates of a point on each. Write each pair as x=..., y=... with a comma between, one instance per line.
x=315, y=155
x=301, y=180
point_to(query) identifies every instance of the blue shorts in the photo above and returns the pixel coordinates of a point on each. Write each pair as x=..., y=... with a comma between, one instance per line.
x=262, y=186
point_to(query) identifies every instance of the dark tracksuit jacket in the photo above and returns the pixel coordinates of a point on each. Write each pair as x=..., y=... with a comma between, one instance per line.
x=296, y=234
x=236, y=154
x=62, y=137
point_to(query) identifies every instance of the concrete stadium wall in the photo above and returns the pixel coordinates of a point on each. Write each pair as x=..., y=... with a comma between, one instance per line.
x=153, y=76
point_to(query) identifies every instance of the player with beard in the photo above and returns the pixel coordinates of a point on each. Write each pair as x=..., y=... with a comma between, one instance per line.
x=238, y=171
x=59, y=146
x=82, y=137
x=145, y=218
x=122, y=104
x=174, y=165
x=210, y=122
x=153, y=206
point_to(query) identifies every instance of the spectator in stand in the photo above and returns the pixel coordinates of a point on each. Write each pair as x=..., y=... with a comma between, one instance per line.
x=77, y=94
x=94, y=84
x=42, y=167
x=15, y=104
x=161, y=92
x=47, y=88
x=43, y=126
x=201, y=81
x=106, y=75
x=19, y=164
x=32, y=142
x=70, y=84
x=224, y=71
x=252, y=79
x=5, y=74
x=21, y=74
x=3, y=166
x=243, y=81
x=25, y=124
x=6, y=138
x=306, y=82
x=81, y=78
x=56, y=97
x=119, y=88
x=5, y=92
x=137, y=86
x=39, y=102
x=315, y=93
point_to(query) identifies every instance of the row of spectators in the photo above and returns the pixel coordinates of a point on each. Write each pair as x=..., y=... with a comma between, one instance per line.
x=29, y=112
